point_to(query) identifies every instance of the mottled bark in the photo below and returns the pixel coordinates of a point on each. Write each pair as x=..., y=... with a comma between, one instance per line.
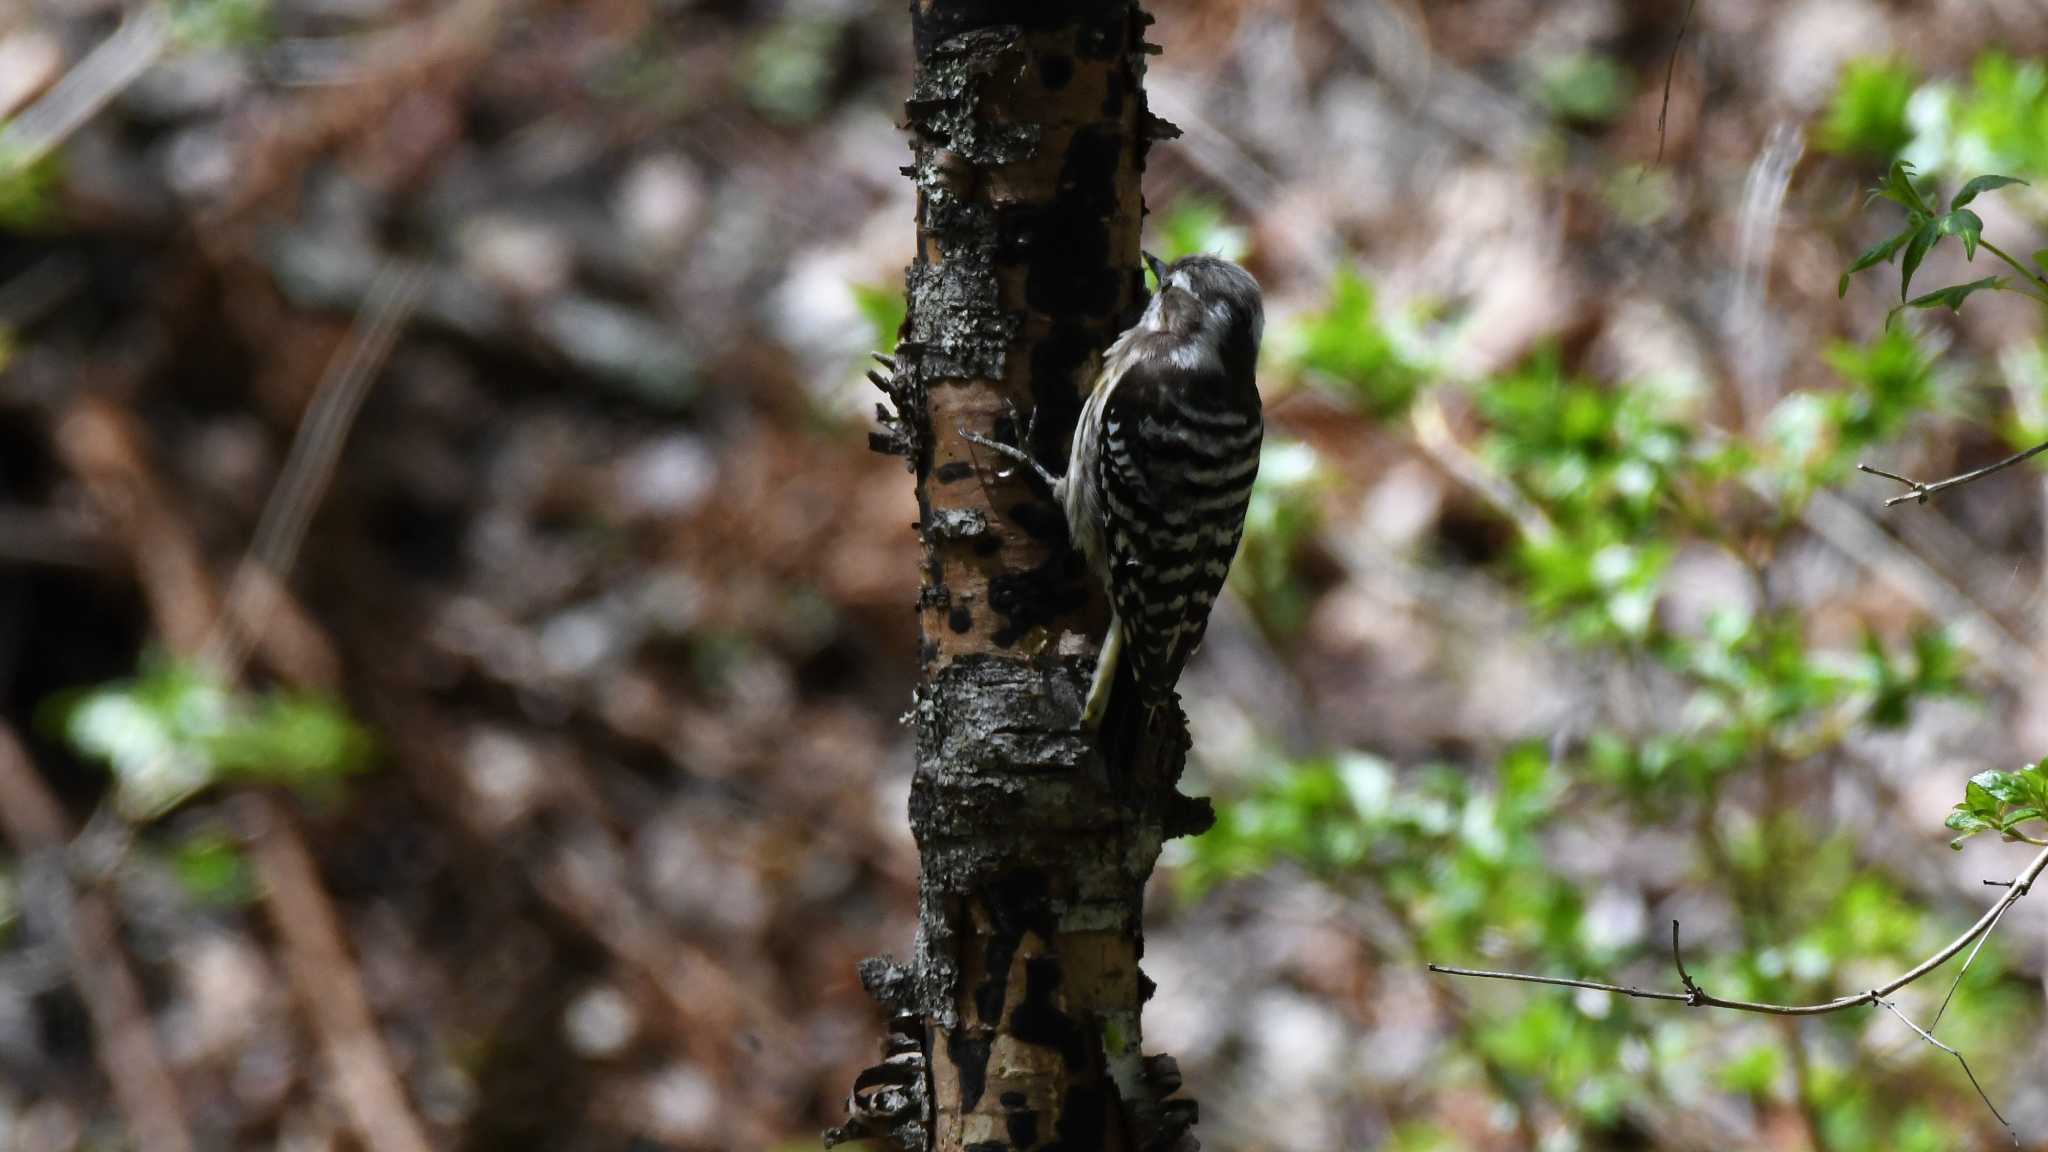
x=1019, y=1025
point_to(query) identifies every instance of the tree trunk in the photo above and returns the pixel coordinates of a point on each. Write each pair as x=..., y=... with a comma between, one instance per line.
x=1018, y=1022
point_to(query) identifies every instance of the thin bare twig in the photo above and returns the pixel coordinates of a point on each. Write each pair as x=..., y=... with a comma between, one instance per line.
x=1670, y=70
x=1928, y=1036
x=309, y=467
x=1920, y=492
x=1967, y=961
x=105, y=73
x=1698, y=998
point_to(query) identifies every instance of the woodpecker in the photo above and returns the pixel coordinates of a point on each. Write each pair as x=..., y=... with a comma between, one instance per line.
x=1161, y=469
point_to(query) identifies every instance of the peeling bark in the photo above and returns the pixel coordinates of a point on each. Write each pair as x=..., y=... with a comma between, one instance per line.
x=1029, y=129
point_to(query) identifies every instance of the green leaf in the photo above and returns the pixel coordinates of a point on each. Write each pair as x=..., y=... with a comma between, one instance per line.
x=1916, y=251
x=1952, y=297
x=211, y=869
x=28, y=189
x=220, y=24
x=2041, y=259
x=1345, y=344
x=1867, y=113
x=1196, y=224
x=2034, y=782
x=1755, y=1072
x=883, y=308
x=1898, y=188
x=2003, y=786
x=1978, y=801
x=174, y=730
x=787, y=73
x=1586, y=88
x=2017, y=817
x=1967, y=823
x=1967, y=224
x=2000, y=802
x=1978, y=184
x=1881, y=252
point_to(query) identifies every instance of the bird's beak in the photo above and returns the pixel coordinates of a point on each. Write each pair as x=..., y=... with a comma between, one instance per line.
x=1157, y=266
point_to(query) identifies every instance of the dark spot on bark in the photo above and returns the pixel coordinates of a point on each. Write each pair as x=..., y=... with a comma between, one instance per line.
x=1020, y=901
x=1039, y=1019
x=953, y=470
x=1021, y=1125
x=934, y=596
x=1096, y=41
x=959, y=619
x=1037, y=596
x=987, y=544
x=1012, y=1099
x=1057, y=367
x=969, y=1054
x=1017, y=903
x=1055, y=72
x=1066, y=243
x=927, y=651
x=1113, y=96
x=1042, y=520
x=1084, y=1120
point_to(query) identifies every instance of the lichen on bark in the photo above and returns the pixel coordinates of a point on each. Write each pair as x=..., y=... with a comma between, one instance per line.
x=1029, y=130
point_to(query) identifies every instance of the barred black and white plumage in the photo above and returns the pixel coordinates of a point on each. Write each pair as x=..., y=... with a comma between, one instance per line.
x=1162, y=467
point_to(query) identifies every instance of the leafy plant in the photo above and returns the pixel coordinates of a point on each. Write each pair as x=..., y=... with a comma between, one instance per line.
x=225, y=24
x=1744, y=708
x=1284, y=516
x=1585, y=87
x=1927, y=225
x=28, y=191
x=1344, y=346
x=883, y=309
x=212, y=869
x=174, y=730
x=2002, y=802
x=1999, y=121
x=1196, y=224
x=1867, y=112
x=789, y=71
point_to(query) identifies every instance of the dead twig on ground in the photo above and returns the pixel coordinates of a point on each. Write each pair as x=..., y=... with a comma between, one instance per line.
x=84, y=921
x=105, y=448
x=309, y=468
x=102, y=76
x=316, y=956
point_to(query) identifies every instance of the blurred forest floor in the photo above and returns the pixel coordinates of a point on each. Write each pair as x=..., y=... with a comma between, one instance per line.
x=550, y=796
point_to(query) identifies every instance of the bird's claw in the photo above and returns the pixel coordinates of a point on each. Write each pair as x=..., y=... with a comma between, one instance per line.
x=1021, y=453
